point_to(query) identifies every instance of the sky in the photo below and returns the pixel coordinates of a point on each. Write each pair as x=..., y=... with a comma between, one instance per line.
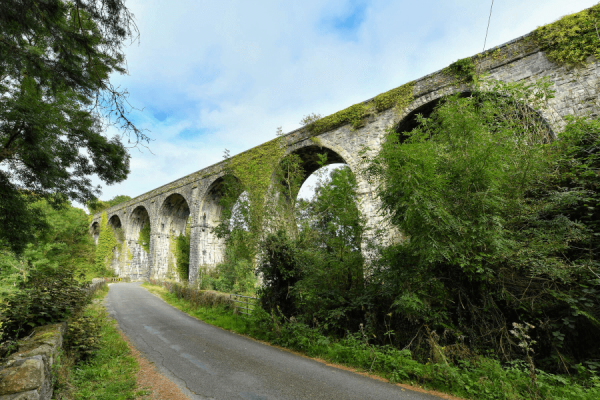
x=207, y=76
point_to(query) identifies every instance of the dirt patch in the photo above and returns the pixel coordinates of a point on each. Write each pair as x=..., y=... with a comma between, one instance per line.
x=151, y=384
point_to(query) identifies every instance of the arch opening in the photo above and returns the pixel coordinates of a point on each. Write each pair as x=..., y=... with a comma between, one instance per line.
x=95, y=231
x=138, y=243
x=139, y=220
x=532, y=117
x=117, y=262
x=174, y=214
x=115, y=223
x=311, y=159
x=315, y=163
x=327, y=219
x=327, y=202
x=172, y=239
x=410, y=122
x=222, y=192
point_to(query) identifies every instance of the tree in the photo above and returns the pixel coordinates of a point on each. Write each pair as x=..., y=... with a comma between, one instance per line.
x=451, y=183
x=331, y=229
x=63, y=242
x=501, y=225
x=56, y=102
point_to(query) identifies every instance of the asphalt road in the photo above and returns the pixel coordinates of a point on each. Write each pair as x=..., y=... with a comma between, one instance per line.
x=210, y=363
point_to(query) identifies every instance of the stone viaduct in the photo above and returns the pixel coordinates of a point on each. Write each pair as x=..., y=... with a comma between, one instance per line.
x=197, y=195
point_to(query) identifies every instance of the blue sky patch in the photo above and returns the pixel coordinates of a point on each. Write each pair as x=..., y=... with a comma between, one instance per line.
x=194, y=133
x=347, y=22
x=160, y=115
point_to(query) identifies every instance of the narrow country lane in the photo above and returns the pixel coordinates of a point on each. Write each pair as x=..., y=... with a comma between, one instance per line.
x=210, y=363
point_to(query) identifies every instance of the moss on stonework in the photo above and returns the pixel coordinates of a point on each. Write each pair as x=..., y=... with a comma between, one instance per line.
x=316, y=141
x=106, y=244
x=46, y=336
x=353, y=115
x=399, y=98
x=144, y=237
x=254, y=168
x=356, y=115
x=571, y=39
x=171, y=256
x=463, y=70
x=125, y=254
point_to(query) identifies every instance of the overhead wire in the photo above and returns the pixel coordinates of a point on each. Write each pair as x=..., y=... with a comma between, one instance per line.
x=488, y=26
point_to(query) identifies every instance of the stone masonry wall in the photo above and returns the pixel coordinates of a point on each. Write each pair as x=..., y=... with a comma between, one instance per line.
x=517, y=61
x=27, y=374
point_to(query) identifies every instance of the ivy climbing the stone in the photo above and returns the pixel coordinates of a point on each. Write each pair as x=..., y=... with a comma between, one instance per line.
x=572, y=39
x=106, y=244
x=144, y=237
x=355, y=115
x=464, y=70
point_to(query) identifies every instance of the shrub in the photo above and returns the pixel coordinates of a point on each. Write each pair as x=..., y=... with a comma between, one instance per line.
x=44, y=298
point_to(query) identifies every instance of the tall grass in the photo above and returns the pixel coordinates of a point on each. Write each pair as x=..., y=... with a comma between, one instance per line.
x=108, y=373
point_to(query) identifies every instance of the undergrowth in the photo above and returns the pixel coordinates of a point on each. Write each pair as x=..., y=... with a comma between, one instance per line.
x=96, y=362
x=474, y=378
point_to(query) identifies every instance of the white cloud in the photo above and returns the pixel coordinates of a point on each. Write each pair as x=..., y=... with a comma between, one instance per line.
x=215, y=75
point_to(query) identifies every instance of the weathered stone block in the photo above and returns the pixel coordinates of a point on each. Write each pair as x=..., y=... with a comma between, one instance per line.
x=45, y=341
x=27, y=373
x=30, y=395
x=22, y=375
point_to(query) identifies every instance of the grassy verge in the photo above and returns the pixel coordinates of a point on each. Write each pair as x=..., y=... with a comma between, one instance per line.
x=219, y=316
x=96, y=362
x=478, y=378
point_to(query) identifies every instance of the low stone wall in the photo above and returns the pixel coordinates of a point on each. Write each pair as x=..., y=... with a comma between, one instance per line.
x=27, y=374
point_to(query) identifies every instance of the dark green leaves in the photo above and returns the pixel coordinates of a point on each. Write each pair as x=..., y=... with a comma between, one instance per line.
x=56, y=100
x=451, y=185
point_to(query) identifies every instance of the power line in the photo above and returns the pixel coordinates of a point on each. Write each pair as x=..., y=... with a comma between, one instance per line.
x=488, y=26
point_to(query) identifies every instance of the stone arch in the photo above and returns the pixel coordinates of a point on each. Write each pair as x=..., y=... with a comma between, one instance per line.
x=95, y=231
x=409, y=119
x=115, y=223
x=138, y=257
x=425, y=104
x=428, y=98
x=138, y=219
x=209, y=248
x=172, y=219
x=117, y=262
x=210, y=207
x=309, y=152
x=173, y=215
